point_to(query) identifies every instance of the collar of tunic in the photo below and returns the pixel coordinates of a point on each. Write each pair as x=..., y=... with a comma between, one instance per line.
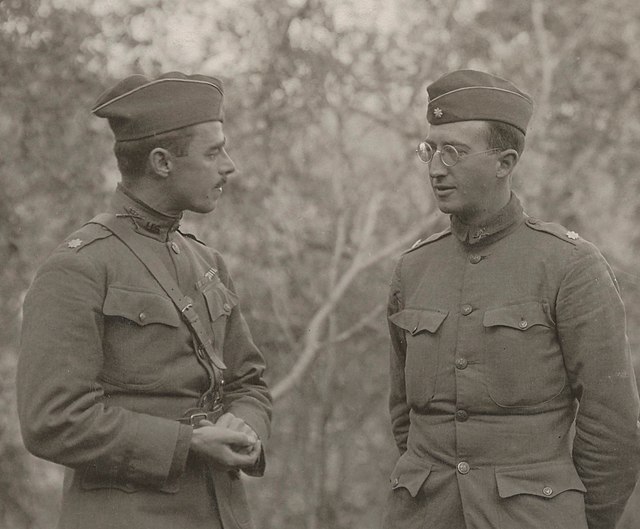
x=496, y=227
x=147, y=220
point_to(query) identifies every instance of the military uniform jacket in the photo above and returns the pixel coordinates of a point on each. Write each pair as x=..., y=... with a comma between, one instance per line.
x=107, y=366
x=502, y=337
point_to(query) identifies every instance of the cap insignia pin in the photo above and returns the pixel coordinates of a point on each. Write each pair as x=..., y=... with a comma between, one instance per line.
x=572, y=235
x=437, y=112
x=74, y=243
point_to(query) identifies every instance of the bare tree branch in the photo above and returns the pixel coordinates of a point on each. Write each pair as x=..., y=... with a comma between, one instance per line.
x=362, y=323
x=547, y=61
x=318, y=321
x=429, y=66
x=283, y=321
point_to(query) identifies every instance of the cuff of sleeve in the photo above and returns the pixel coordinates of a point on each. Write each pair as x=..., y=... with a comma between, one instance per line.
x=179, y=461
x=255, y=418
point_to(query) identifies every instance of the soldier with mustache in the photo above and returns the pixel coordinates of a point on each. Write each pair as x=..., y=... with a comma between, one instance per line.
x=137, y=370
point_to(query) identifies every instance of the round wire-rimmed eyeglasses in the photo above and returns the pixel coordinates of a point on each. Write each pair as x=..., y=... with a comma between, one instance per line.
x=449, y=155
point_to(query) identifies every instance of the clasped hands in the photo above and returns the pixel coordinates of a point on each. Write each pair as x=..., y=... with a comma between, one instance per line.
x=228, y=444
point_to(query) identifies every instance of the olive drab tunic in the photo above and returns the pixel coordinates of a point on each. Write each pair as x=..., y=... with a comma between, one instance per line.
x=497, y=333
x=107, y=366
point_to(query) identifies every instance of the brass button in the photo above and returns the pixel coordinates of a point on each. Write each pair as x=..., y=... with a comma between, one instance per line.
x=474, y=258
x=523, y=324
x=142, y=316
x=547, y=491
x=461, y=363
x=175, y=247
x=467, y=309
x=463, y=467
x=461, y=415
x=226, y=307
x=396, y=482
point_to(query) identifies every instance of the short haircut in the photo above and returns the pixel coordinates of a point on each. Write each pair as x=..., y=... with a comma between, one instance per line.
x=133, y=156
x=504, y=136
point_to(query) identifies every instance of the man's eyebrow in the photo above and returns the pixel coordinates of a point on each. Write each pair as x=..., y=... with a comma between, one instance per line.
x=218, y=145
x=445, y=142
x=459, y=144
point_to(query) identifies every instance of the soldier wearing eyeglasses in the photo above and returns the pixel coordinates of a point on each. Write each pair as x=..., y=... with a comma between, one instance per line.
x=513, y=400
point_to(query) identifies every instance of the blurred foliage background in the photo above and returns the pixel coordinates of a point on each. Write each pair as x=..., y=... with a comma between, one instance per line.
x=325, y=104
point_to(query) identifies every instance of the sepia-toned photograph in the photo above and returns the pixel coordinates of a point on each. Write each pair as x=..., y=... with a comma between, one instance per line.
x=319, y=264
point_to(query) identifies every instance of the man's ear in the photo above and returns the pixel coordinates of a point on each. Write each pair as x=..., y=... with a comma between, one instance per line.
x=161, y=162
x=507, y=161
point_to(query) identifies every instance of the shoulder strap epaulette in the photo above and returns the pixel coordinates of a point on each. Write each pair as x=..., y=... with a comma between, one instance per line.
x=554, y=229
x=432, y=238
x=83, y=237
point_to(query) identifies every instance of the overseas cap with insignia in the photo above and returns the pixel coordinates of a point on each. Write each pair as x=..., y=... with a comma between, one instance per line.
x=138, y=107
x=467, y=95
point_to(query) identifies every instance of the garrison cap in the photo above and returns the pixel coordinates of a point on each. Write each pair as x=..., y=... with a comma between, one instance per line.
x=138, y=107
x=466, y=95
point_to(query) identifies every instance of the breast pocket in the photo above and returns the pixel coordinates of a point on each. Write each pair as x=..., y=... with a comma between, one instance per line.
x=422, y=334
x=136, y=323
x=220, y=302
x=523, y=360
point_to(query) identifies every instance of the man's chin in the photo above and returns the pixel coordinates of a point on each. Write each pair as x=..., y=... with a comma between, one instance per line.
x=203, y=208
x=446, y=207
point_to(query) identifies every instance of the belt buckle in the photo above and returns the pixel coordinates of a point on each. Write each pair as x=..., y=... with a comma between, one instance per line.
x=195, y=418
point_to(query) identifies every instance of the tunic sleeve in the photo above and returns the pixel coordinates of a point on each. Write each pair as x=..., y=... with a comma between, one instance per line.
x=398, y=407
x=61, y=404
x=592, y=333
x=246, y=394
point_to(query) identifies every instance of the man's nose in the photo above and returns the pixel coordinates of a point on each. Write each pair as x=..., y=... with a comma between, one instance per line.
x=227, y=167
x=436, y=167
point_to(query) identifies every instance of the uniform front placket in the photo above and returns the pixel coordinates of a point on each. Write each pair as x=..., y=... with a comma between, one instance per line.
x=467, y=359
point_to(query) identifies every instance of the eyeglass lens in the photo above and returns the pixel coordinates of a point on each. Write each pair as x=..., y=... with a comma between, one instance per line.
x=448, y=153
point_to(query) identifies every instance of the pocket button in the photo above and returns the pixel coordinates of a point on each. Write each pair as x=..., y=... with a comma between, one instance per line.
x=226, y=307
x=142, y=316
x=547, y=491
x=461, y=363
x=523, y=324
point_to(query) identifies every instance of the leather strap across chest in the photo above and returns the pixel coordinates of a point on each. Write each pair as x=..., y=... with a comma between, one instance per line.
x=183, y=303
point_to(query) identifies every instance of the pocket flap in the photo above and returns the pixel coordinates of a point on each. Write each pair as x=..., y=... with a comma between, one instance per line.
x=220, y=300
x=418, y=320
x=141, y=307
x=410, y=473
x=547, y=480
x=521, y=317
